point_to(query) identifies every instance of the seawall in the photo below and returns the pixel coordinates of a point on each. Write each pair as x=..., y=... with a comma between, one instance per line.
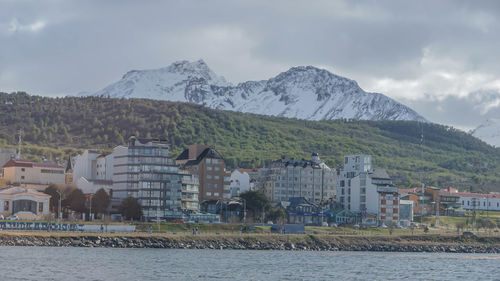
x=410, y=243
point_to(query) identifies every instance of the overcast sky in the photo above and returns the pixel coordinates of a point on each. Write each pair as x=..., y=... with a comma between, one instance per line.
x=439, y=57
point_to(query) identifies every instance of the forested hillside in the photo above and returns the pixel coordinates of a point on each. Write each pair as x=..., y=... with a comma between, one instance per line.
x=57, y=127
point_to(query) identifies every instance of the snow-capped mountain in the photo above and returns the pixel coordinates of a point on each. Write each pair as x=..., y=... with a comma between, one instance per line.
x=489, y=132
x=303, y=92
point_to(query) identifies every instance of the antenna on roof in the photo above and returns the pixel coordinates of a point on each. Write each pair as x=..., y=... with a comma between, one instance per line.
x=19, y=143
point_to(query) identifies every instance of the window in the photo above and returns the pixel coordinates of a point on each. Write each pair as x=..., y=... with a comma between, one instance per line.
x=23, y=169
x=209, y=177
x=22, y=177
x=216, y=168
x=209, y=168
x=40, y=207
x=6, y=205
x=216, y=177
x=209, y=193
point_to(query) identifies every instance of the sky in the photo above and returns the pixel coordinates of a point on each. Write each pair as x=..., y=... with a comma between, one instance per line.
x=439, y=57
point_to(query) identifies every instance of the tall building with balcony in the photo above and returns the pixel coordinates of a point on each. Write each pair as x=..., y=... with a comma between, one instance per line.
x=143, y=169
x=288, y=178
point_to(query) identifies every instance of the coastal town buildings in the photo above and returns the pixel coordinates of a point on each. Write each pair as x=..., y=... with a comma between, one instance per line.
x=208, y=165
x=33, y=174
x=25, y=203
x=287, y=178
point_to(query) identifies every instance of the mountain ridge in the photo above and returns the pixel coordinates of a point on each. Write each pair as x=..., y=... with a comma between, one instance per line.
x=302, y=92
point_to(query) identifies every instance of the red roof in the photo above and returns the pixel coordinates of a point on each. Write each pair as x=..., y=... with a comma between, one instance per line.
x=30, y=164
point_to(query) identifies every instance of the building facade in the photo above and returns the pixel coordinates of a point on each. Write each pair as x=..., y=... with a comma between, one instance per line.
x=144, y=170
x=33, y=174
x=24, y=202
x=209, y=166
x=288, y=178
x=93, y=171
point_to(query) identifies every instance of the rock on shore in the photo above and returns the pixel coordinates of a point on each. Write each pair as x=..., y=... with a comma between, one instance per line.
x=424, y=243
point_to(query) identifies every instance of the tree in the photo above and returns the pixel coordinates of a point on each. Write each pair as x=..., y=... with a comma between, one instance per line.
x=76, y=201
x=130, y=208
x=255, y=202
x=277, y=215
x=54, y=196
x=100, y=201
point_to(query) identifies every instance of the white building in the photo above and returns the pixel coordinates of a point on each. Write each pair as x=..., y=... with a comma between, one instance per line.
x=366, y=191
x=93, y=171
x=480, y=201
x=240, y=182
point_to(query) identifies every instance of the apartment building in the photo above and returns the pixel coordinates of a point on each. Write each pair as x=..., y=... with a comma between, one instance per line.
x=366, y=191
x=143, y=169
x=209, y=166
x=288, y=178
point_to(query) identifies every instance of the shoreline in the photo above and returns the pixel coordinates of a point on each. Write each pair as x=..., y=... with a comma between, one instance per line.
x=393, y=243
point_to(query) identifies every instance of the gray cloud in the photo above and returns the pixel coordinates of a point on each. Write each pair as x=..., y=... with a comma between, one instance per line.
x=436, y=56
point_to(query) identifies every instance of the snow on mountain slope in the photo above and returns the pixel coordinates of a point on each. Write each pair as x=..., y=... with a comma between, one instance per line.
x=489, y=132
x=303, y=92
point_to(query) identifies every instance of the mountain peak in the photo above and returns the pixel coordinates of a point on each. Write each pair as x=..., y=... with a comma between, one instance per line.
x=303, y=92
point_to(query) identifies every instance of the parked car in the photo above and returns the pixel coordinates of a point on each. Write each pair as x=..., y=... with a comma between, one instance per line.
x=2, y=217
x=13, y=218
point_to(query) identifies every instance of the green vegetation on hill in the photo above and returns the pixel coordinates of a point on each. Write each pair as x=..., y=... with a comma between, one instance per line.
x=58, y=127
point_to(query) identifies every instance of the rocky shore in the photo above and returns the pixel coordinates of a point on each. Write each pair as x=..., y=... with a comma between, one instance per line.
x=424, y=243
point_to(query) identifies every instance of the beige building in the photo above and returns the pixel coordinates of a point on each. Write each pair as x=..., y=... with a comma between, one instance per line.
x=24, y=203
x=31, y=174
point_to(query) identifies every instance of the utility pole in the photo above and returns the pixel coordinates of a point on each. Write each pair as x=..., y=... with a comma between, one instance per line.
x=19, y=143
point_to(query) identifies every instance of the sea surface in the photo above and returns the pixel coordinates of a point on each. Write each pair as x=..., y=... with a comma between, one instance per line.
x=51, y=263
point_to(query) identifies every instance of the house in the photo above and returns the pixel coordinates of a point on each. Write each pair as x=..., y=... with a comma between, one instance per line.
x=208, y=165
x=33, y=174
x=288, y=178
x=302, y=211
x=26, y=203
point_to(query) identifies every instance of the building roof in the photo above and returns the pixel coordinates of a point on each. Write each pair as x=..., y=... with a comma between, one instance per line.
x=379, y=174
x=30, y=164
x=247, y=170
x=184, y=155
x=207, y=153
x=300, y=163
x=17, y=190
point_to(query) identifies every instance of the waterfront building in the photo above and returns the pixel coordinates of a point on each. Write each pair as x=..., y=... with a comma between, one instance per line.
x=209, y=166
x=287, y=178
x=33, y=174
x=366, y=191
x=144, y=170
x=405, y=212
x=25, y=203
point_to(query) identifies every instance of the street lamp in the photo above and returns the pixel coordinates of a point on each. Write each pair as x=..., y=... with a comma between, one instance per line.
x=90, y=212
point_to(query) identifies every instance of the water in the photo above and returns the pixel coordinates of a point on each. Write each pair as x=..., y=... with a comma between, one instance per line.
x=46, y=263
